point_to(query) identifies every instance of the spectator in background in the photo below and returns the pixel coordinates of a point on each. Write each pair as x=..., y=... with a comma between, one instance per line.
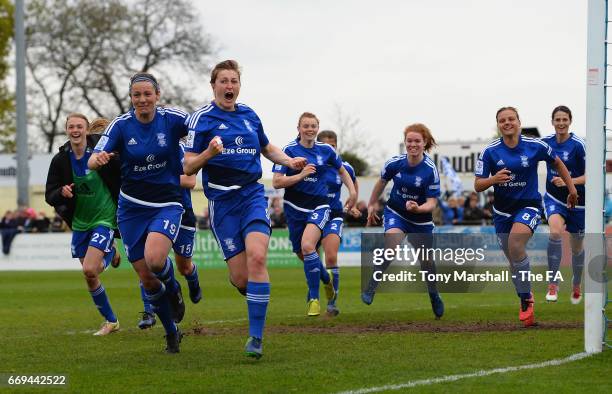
x=452, y=212
x=57, y=224
x=488, y=207
x=203, y=221
x=9, y=229
x=277, y=216
x=473, y=214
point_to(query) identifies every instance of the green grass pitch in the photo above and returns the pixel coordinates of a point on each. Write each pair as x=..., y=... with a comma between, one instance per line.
x=48, y=319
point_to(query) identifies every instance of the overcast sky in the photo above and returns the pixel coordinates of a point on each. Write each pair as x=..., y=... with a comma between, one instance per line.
x=448, y=63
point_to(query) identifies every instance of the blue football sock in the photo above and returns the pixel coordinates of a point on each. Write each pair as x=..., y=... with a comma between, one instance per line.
x=108, y=258
x=101, y=301
x=166, y=275
x=554, y=258
x=577, y=267
x=324, y=274
x=336, y=278
x=145, y=300
x=258, y=297
x=193, y=281
x=312, y=269
x=522, y=286
x=161, y=307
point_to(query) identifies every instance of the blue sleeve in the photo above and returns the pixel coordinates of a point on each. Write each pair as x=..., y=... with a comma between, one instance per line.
x=180, y=124
x=261, y=135
x=197, y=137
x=483, y=166
x=334, y=159
x=546, y=153
x=281, y=169
x=350, y=170
x=433, y=190
x=389, y=170
x=110, y=140
x=581, y=162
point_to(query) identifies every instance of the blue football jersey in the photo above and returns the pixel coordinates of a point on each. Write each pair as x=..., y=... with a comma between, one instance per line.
x=334, y=186
x=522, y=161
x=238, y=168
x=185, y=191
x=573, y=154
x=416, y=183
x=311, y=191
x=149, y=153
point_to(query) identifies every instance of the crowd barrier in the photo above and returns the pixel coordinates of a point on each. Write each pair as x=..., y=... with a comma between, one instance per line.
x=51, y=251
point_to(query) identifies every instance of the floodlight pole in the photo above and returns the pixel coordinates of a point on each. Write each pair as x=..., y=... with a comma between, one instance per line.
x=23, y=170
x=595, y=258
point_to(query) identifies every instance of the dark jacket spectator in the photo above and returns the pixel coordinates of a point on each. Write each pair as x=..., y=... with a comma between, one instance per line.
x=473, y=214
x=9, y=229
x=60, y=174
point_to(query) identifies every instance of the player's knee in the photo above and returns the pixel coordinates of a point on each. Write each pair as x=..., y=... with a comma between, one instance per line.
x=555, y=234
x=155, y=259
x=308, y=247
x=90, y=273
x=256, y=259
x=331, y=259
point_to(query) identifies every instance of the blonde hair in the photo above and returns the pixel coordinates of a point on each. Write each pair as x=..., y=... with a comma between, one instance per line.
x=420, y=128
x=98, y=125
x=76, y=115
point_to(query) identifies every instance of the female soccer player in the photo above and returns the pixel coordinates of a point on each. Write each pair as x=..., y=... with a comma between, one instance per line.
x=332, y=232
x=150, y=209
x=570, y=149
x=306, y=203
x=513, y=161
x=87, y=201
x=415, y=192
x=183, y=251
x=225, y=141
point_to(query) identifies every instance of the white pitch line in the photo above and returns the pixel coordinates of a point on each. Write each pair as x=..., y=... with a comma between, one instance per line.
x=452, y=378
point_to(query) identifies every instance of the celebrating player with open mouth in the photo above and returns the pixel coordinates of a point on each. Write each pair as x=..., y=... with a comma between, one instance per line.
x=225, y=141
x=510, y=165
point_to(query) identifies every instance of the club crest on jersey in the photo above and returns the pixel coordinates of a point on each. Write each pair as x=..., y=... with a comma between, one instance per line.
x=565, y=156
x=229, y=244
x=161, y=139
x=524, y=161
x=417, y=181
x=319, y=160
x=248, y=126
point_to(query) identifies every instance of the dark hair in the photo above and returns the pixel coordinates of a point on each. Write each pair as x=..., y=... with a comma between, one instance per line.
x=144, y=77
x=507, y=108
x=327, y=134
x=561, y=108
x=224, y=65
